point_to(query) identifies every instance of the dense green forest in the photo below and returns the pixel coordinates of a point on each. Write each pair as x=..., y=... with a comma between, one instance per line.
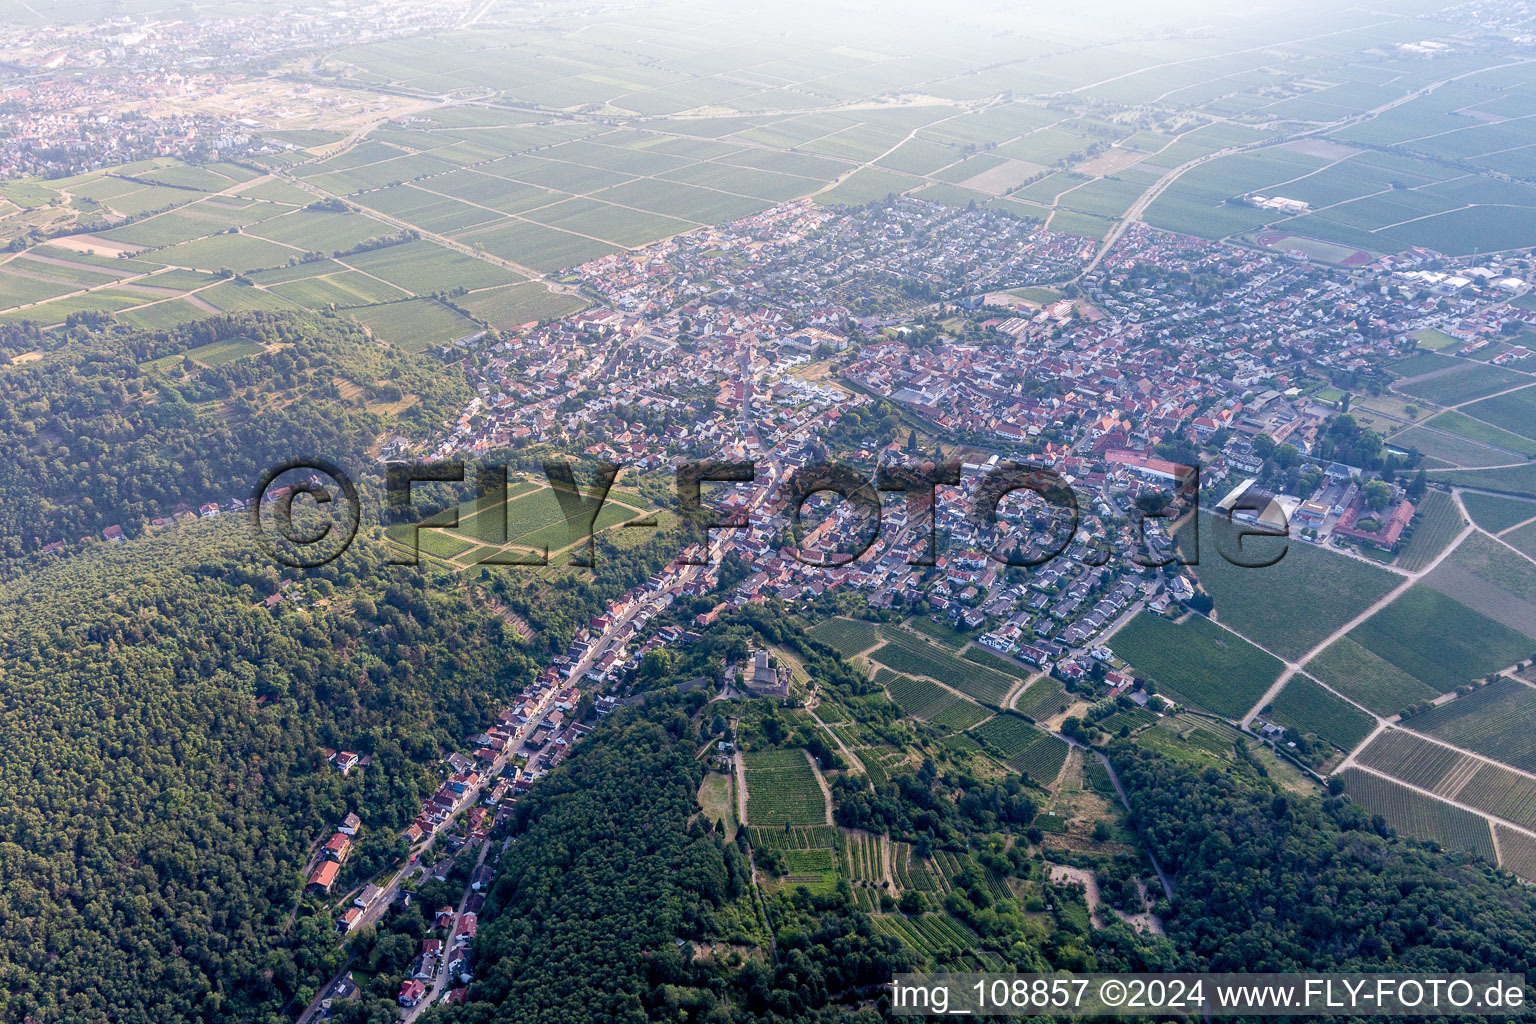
x=606, y=870
x=121, y=426
x=607, y=867
x=161, y=773
x=1272, y=882
x=163, y=780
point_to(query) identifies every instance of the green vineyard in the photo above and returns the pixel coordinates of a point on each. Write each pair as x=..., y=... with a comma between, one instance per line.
x=930, y=702
x=864, y=857
x=1502, y=793
x=1042, y=699
x=1030, y=751
x=1420, y=816
x=982, y=656
x=1198, y=662
x=782, y=789
x=846, y=636
x=1498, y=721
x=918, y=697
x=805, y=837
x=1305, y=705
x=938, y=938
x=960, y=716
x=1518, y=852
x=1416, y=761
x=907, y=652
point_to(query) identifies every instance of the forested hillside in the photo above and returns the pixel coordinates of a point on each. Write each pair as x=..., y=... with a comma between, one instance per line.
x=1271, y=882
x=121, y=426
x=605, y=873
x=161, y=773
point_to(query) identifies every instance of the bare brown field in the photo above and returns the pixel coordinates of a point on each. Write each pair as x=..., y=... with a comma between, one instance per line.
x=1108, y=163
x=1003, y=177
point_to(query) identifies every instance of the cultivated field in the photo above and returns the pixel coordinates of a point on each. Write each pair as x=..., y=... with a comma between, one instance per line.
x=1488, y=577
x=1517, y=852
x=1042, y=699
x=1494, y=513
x=1420, y=816
x=1304, y=705
x=1368, y=679
x=1437, y=521
x=918, y=697
x=984, y=657
x=907, y=652
x=1514, y=411
x=1465, y=383
x=846, y=636
x=1438, y=640
x=1292, y=605
x=1516, y=480
x=1419, y=762
x=1498, y=721
x=930, y=702
x=1032, y=752
x=1197, y=662
x=782, y=789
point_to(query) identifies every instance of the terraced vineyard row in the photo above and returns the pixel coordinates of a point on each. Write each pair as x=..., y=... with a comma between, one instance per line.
x=1517, y=852
x=960, y=716
x=930, y=702
x=905, y=651
x=1042, y=699
x=1041, y=761
x=948, y=864
x=1436, y=525
x=912, y=872
x=918, y=697
x=1405, y=756
x=813, y=837
x=1033, y=752
x=950, y=638
x=1502, y=793
x=982, y=656
x=1131, y=718
x=1009, y=734
x=782, y=789
x=939, y=938
x=1491, y=788
x=878, y=762
x=1421, y=816
x=1098, y=778
x=846, y=636
x=863, y=857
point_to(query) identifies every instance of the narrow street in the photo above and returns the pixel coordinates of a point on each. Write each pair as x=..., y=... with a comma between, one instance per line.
x=440, y=981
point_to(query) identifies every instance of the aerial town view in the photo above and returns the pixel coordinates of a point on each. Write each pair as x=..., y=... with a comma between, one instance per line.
x=560, y=513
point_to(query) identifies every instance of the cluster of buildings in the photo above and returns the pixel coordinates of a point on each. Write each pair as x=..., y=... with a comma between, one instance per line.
x=479, y=781
x=706, y=345
x=333, y=855
x=1173, y=343
x=447, y=950
x=77, y=96
x=700, y=330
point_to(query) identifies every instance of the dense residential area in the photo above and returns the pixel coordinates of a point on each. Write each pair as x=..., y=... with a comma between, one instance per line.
x=550, y=513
